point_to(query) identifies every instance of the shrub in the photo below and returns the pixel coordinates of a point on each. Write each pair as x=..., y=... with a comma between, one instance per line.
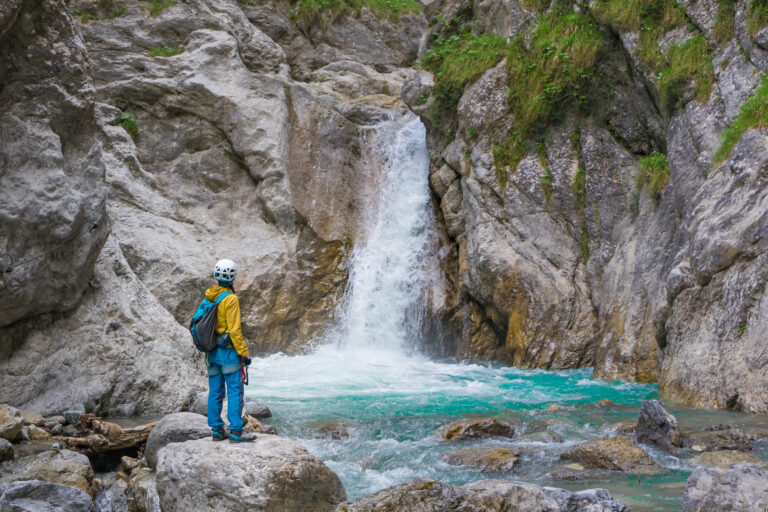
x=753, y=114
x=130, y=125
x=654, y=172
x=164, y=51
x=158, y=6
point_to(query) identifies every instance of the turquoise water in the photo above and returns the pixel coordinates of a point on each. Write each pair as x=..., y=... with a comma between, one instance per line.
x=394, y=404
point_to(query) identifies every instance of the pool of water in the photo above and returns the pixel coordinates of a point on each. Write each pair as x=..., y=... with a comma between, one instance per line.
x=394, y=405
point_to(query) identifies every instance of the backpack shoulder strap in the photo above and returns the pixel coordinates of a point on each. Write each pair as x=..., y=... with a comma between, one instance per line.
x=221, y=297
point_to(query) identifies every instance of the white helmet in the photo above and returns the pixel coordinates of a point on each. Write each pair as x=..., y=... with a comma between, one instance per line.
x=225, y=270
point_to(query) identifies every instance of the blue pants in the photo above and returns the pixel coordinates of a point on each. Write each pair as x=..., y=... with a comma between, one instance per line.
x=224, y=375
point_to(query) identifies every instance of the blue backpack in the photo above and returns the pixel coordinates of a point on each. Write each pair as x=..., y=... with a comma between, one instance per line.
x=203, y=324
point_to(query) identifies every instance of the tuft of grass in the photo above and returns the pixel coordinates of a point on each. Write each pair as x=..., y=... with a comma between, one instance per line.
x=84, y=16
x=117, y=13
x=654, y=172
x=546, y=72
x=584, y=241
x=742, y=328
x=502, y=177
x=158, y=6
x=691, y=60
x=725, y=20
x=457, y=61
x=757, y=15
x=323, y=12
x=129, y=124
x=753, y=114
x=164, y=51
x=579, y=188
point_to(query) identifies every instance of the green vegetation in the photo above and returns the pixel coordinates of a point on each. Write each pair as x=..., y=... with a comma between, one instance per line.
x=757, y=15
x=546, y=180
x=158, y=6
x=584, y=241
x=502, y=177
x=105, y=4
x=753, y=114
x=457, y=61
x=654, y=172
x=116, y=13
x=742, y=328
x=164, y=51
x=547, y=72
x=725, y=20
x=84, y=16
x=651, y=19
x=322, y=12
x=579, y=188
x=473, y=133
x=129, y=124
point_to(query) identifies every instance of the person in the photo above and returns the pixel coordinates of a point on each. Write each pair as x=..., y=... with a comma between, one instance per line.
x=228, y=362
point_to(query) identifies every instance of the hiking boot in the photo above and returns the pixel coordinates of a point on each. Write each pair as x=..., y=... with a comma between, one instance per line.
x=219, y=435
x=240, y=437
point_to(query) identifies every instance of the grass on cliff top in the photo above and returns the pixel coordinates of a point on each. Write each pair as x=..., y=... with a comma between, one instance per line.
x=654, y=172
x=164, y=51
x=757, y=15
x=322, y=12
x=753, y=114
x=547, y=72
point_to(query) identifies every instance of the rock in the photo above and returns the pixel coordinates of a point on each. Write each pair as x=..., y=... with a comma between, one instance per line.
x=330, y=429
x=742, y=487
x=569, y=472
x=31, y=417
x=272, y=473
x=72, y=415
x=552, y=408
x=10, y=427
x=40, y=496
x=623, y=428
x=52, y=421
x=61, y=467
x=706, y=441
x=175, y=428
x=472, y=428
x=33, y=433
x=433, y=496
x=487, y=460
x=657, y=427
x=545, y=436
x=57, y=429
x=141, y=492
x=253, y=425
x=251, y=407
x=724, y=458
x=6, y=450
x=129, y=463
x=603, y=403
x=614, y=454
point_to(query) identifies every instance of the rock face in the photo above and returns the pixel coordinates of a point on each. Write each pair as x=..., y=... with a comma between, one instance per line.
x=175, y=428
x=657, y=427
x=470, y=428
x=744, y=487
x=272, y=473
x=614, y=454
x=433, y=496
x=38, y=496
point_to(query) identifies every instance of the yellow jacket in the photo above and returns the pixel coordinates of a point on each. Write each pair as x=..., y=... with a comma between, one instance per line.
x=228, y=318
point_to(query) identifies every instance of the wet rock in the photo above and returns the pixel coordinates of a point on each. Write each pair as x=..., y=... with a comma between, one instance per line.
x=553, y=408
x=603, y=403
x=33, y=433
x=330, y=429
x=473, y=428
x=175, y=428
x=41, y=496
x=61, y=467
x=623, y=428
x=657, y=427
x=72, y=415
x=545, y=436
x=253, y=425
x=614, y=454
x=487, y=460
x=251, y=407
x=433, y=496
x=141, y=491
x=711, y=440
x=6, y=450
x=743, y=487
x=724, y=458
x=569, y=472
x=272, y=473
x=10, y=428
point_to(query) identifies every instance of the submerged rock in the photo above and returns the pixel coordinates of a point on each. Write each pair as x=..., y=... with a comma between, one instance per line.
x=175, y=428
x=332, y=429
x=40, y=496
x=711, y=440
x=434, y=496
x=725, y=458
x=472, y=428
x=272, y=473
x=657, y=427
x=60, y=467
x=743, y=487
x=487, y=460
x=614, y=454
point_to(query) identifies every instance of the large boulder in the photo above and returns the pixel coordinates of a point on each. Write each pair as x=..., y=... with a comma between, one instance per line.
x=251, y=407
x=487, y=460
x=175, y=428
x=742, y=487
x=614, y=454
x=434, y=496
x=61, y=467
x=40, y=496
x=472, y=428
x=657, y=427
x=270, y=474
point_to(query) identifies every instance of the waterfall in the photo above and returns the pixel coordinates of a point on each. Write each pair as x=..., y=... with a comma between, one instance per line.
x=390, y=268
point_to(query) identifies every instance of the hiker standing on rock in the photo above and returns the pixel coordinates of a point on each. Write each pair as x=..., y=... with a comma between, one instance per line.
x=228, y=362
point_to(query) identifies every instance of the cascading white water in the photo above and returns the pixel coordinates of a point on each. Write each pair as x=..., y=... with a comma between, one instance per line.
x=389, y=270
